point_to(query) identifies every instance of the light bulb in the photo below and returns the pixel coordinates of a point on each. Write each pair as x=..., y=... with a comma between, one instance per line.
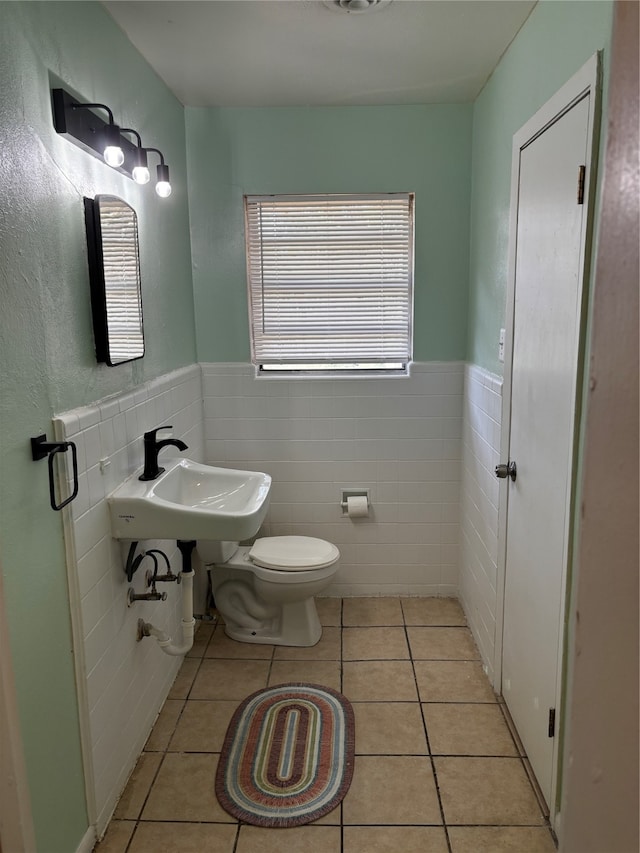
x=113, y=156
x=141, y=175
x=163, y=187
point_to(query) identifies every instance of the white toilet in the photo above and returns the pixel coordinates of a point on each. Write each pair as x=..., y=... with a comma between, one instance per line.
x=265, y=591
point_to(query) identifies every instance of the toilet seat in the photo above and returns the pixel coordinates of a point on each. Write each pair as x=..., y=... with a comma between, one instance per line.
x=293, y=553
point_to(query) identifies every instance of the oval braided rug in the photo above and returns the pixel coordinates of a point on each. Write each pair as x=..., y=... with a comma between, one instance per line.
x=287, y=757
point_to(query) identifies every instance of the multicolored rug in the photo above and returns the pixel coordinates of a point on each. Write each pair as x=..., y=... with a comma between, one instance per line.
x=287, y=757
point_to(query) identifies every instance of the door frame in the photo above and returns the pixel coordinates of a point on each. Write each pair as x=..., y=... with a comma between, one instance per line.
x=586, y=81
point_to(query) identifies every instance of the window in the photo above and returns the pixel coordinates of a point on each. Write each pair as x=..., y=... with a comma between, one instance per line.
x=330, y=282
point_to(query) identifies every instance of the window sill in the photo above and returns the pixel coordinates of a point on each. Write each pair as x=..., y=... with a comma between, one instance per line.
x=400, y=373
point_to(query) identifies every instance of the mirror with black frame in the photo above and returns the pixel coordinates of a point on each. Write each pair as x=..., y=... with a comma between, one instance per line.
x=114, y=275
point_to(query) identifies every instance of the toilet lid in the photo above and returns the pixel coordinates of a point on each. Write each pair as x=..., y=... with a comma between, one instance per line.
x=293, y=553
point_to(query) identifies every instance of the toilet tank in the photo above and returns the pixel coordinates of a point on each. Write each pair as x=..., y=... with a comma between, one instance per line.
x=211, y=551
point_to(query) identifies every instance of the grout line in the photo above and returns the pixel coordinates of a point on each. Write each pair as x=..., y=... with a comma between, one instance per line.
x=237, y=838
x=129, y=842
x=271, y=660
x=426, y=734
x=421, y=701
x=146, y=799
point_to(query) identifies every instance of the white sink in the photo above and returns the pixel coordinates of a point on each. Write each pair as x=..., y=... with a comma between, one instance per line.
x=190, y=501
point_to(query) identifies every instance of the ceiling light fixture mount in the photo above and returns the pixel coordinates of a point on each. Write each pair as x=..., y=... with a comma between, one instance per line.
x=81, y=125
x=356, y=7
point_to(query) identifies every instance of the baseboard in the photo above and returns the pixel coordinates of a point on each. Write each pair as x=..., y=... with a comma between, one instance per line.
x=88, y=841
x=349, y=590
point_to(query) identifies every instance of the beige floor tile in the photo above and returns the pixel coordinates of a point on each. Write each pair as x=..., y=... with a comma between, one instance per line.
x=329, y=611
x=486, y=791
x=366, y=612
x=394, y=839
x=433, y=611
x=202, y=726
x=164, y=726
x=323, y=672
x=183, y=838
x=116, y=837
x=332, y=818
x=184, y=679
x=453, y=681
x=184, y=790
x=310, y=839
x=133, y=797
x=442, y=644
x=396, y=789
x=327, y=648
x=201, y=639
x=374, y=644
x=389, y=728
x=221, y=646
x=378, y=681
x=499, y=839
x=467, y=730
x=229, y=679
x=392, y=805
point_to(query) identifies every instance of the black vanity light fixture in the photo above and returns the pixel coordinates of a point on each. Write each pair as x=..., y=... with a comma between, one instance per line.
x=80, y=124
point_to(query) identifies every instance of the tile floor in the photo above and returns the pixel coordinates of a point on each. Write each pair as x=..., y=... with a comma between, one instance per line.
x=437, y=769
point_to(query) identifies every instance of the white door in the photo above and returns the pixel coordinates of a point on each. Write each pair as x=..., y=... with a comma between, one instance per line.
x=546, y=326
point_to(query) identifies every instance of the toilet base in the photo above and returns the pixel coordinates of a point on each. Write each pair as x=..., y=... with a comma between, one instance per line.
x=297, y=624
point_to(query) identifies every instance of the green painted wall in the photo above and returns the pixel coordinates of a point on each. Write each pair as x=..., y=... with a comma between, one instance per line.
x=425, y=149
x=557, y=39
x=47, y=361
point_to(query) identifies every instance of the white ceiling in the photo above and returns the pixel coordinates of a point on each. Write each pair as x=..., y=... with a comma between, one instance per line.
x=302, y=52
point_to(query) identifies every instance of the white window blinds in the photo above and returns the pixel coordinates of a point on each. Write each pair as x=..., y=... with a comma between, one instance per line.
x=330, y=280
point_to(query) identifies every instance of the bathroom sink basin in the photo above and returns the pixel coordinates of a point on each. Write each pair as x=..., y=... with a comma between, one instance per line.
x=190, y=501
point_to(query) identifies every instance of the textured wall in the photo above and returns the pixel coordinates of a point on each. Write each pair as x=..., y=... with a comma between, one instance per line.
x=46, y=345
x=425, y=149
x=555, y=42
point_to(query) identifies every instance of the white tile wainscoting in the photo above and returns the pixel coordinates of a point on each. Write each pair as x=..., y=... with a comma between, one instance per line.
x=122, y=683
x=479, y=503
x=399, y=437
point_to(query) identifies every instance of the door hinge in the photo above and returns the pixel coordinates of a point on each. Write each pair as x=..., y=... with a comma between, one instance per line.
x=581, y=173
x=552, y=722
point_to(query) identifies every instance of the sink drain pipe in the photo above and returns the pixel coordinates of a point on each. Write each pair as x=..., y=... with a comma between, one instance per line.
x=188, y=622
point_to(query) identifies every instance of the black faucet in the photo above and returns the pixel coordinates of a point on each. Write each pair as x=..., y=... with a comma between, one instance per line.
x=151, y=449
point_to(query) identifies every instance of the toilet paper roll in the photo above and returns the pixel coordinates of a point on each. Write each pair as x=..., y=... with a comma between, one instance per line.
x=357, y=506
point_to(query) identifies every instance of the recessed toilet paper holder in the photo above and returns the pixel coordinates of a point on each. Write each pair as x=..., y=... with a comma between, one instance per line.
x=354, y=493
